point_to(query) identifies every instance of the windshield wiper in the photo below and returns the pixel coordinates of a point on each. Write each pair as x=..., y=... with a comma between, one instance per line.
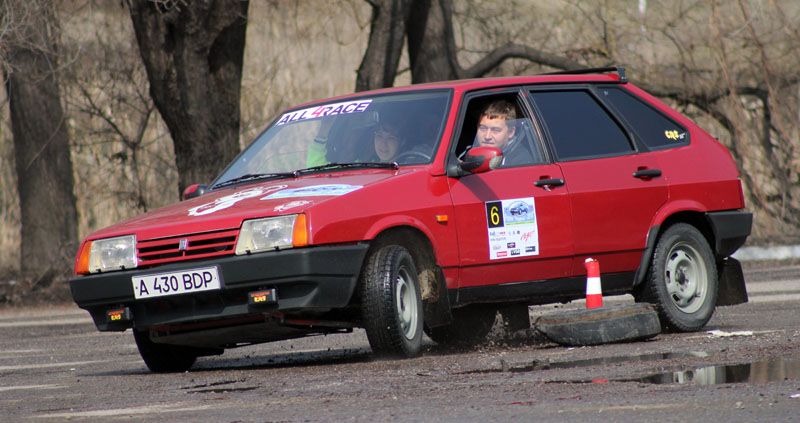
x=254, y=177
x=330, y=166
x=296, y=173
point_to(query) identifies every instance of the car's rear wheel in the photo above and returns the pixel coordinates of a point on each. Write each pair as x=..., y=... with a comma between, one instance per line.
x=469, y=327
x=163, y=358
x=683, y=279
x=391, y=305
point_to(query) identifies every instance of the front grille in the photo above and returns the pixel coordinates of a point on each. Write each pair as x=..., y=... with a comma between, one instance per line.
x=197, y=246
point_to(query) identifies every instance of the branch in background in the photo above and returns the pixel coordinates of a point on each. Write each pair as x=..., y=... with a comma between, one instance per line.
x=495, y=58
x=386, y=35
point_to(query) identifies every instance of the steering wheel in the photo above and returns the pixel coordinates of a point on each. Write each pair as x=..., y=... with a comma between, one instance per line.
x=412, y=157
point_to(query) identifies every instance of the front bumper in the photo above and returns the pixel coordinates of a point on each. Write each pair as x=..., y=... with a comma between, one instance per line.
x=314, y=279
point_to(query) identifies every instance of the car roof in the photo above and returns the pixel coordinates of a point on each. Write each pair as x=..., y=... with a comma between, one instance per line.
x=464, y=85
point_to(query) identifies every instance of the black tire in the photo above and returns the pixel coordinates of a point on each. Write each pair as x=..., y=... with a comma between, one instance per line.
x=469, y=328
x=682, y=282
x=163, y=358
x=629, y=322
x=391, y=306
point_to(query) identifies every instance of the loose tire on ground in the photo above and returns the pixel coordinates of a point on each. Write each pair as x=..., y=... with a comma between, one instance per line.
x=470, y=327
x=162, y=358
x=629, y=322
x=682, y=282
x=391, y=306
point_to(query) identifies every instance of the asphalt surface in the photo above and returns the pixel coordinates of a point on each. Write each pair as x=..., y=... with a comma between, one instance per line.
x=55, y=366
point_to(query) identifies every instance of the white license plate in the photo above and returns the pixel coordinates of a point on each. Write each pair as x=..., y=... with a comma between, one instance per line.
x=172, y=283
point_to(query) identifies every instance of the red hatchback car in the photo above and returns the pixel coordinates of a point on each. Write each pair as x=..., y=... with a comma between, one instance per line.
x=429, y=208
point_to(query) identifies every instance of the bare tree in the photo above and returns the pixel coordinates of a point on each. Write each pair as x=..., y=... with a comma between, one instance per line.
x=41, y=141
x=122, y=150
x=193, y=54
x=432, y=51
x=386, y=36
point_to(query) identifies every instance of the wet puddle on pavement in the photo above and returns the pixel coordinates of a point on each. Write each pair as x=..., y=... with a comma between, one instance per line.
x=757, y=372
x=770, y=370
x=602, y=361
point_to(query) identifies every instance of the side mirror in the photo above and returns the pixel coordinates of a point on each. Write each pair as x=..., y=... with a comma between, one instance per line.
x=193, y=190
x=481, y=159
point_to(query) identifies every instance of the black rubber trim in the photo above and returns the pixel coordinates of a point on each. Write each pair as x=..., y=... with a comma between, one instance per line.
x=644, y=263
x=305, y=279
x=732, y=288
x=618, y=69
x=542, y=292
x=439, y=313
x=731, y=229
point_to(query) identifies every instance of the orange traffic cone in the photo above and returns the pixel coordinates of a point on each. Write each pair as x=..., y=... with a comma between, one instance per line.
x=594, y=292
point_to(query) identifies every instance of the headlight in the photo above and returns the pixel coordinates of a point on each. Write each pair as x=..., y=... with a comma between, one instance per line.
x=273, y=233
x=113, y=254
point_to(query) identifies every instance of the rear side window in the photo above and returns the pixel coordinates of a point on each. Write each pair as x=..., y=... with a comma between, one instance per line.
x=579, y=126
x=653, y=128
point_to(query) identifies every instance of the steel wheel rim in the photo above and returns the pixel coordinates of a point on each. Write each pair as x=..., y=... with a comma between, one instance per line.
x=406, y=304
x=686, y=277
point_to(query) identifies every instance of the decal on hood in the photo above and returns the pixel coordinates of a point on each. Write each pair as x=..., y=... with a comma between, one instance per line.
x=290, y=205
x=223, y=203
x=314, y=191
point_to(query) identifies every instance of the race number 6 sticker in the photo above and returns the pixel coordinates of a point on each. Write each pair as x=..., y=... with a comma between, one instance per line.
x=494, y=214
x=512, y=228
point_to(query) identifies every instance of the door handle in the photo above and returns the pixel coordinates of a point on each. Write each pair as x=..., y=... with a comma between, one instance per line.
x=647, y=173
x=549, y=183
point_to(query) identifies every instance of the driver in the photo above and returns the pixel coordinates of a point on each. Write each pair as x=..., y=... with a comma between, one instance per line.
x=388, y=140
x=497, y=128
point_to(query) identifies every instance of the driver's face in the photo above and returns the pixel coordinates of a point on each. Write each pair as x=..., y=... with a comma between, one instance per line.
x=494, y=132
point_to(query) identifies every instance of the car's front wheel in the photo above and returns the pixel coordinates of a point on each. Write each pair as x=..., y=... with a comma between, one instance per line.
x=683, y=279
x=391, y=304
x=162, y=358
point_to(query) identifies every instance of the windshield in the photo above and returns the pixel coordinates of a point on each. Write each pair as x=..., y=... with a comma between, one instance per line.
x=396, y=128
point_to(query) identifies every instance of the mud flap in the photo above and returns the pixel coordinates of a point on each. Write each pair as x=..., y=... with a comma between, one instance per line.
x=438, y=313
x=515, y=317
x=732, y=289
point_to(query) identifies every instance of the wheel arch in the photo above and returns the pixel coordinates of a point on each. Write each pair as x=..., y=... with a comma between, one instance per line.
x=415, y=241
x=694, y=217
x=434, y=293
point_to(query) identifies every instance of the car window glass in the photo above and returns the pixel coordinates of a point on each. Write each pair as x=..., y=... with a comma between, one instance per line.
x=579, y=126
x=508, y=128
x=653, y=128
x=402, y=128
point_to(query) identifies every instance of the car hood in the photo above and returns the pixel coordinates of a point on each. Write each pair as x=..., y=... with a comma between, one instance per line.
x=226, y=208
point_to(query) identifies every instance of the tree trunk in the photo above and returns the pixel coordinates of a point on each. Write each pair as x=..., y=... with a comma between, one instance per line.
x=387, y=33
x=433, y=54
x=41, y=141
x=193, y=55
x=432, y=51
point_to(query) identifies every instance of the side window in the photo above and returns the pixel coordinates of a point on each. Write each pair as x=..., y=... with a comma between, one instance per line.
x=653, y=128
x=579, y=126
x=500, y=121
